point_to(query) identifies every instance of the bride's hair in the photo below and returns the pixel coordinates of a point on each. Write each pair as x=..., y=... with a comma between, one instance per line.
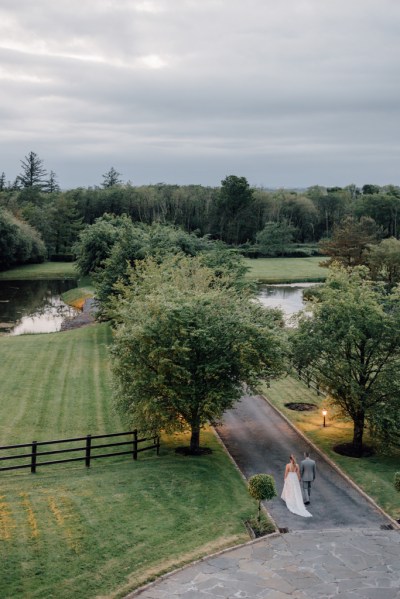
x=292, y=458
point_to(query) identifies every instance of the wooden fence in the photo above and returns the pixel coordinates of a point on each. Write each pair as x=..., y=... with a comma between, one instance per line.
x=88, y=450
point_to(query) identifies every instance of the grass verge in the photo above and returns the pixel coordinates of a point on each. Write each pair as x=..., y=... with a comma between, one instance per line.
x=374, y=474
x=71, y=532
x=286, y=270
x=46, y=270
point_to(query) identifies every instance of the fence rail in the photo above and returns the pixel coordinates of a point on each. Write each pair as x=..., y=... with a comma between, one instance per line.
x=88, y=449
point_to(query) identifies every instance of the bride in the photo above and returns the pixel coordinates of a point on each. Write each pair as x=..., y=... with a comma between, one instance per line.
x=291, y=493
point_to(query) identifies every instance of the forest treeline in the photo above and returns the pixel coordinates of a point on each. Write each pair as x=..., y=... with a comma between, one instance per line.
x=257, y=221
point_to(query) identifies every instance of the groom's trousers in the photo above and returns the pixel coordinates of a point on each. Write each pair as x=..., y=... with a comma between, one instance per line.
x=306, y=489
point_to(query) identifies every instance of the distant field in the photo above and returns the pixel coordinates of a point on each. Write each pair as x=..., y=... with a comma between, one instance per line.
x=265, y=270
x=70, y=532
x=286, y=270
x=47, y=270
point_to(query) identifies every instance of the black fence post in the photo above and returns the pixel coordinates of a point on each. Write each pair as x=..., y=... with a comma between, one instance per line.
x=88, y=447
x=158, y=444
x=135, y=444
x=33, y=457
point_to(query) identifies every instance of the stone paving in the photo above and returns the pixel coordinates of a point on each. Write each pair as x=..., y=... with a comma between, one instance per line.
x=345, y=563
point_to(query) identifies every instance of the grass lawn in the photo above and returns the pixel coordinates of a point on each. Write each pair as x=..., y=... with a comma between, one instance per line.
x=374, y=475
x=46, y=270
x=71, y=532
x=286, y=270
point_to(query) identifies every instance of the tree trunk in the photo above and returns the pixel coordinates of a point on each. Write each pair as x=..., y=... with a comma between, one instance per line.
x=195, y=439
x=358, y=434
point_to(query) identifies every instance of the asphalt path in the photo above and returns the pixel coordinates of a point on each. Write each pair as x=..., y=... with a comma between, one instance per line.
x=261, y=441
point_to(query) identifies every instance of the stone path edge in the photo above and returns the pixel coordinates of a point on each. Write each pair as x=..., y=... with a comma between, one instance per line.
x=394, y=523
x=139, y=590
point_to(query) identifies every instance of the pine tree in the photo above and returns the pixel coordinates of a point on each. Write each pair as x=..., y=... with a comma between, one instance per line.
x=111, y=179
x=51, y=185
x=33, y=172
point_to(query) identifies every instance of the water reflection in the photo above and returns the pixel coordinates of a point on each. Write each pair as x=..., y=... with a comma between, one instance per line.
x=33, y=306
x=288, y=297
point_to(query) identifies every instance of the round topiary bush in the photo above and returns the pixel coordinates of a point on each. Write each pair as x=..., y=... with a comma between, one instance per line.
x=262, y=488
x=397, y=481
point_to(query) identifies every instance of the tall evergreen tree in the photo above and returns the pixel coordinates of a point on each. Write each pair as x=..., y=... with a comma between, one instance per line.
x=111, y=178
x=33, y=172
x=51, y=185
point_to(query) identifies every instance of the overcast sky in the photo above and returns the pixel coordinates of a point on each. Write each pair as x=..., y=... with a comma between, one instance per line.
x=288, y=93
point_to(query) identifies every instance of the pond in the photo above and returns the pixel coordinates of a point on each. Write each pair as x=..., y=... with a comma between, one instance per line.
x=287, y=297
x=34, y=306
x=28, y=307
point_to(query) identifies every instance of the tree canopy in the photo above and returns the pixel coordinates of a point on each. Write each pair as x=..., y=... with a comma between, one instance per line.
x=351, y=345
x=184, y=346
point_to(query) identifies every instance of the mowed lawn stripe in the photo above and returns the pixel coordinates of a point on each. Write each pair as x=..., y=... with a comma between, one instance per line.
x=68, y=531
x=57, y=383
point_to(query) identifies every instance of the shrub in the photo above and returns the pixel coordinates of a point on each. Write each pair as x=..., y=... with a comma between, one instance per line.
x=262, y=487
x=397, y=481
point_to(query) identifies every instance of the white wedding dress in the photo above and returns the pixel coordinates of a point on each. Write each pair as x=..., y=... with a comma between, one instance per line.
x=293, y=497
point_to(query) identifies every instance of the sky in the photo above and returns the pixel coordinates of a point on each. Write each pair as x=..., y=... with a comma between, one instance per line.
x=287, y=93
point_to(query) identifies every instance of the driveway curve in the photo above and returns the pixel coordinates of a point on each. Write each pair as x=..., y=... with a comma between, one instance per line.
x=260, y=440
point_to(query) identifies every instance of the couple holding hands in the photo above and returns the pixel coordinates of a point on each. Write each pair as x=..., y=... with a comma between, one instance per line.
x=291, y=493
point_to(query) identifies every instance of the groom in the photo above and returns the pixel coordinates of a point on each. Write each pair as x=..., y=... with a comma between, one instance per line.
x=307, y=473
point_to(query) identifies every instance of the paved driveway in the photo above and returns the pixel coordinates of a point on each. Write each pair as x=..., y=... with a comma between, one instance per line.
x=260, y=440
x=340, y=552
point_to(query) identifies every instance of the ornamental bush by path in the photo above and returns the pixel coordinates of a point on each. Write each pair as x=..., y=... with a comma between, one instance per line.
x=262, y=488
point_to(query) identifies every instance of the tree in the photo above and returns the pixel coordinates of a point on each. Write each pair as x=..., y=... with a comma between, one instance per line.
x=351, y=344
x=349, y=242
x=111, y=178
x=383, y=260
x=262, y=488
x=95, y=242
x=66, y=223
x=51, y=185
x=136, y=242
x=19, y=243
x=369, y=189
x=33, y=172
x=184, y=347
x=275, y=238
x=233, y=209
x=3, y=184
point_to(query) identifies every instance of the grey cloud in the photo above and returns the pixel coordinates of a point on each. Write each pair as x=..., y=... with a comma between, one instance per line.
x=309, y=88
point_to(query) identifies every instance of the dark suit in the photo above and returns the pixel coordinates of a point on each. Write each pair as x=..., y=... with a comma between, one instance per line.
x=307, y=473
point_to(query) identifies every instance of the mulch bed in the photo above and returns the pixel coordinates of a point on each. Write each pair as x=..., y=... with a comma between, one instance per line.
x=188, y=451
x=301, y=406
x=347, y=450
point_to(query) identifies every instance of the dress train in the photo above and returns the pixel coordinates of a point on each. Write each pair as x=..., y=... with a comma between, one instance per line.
x=293, y=497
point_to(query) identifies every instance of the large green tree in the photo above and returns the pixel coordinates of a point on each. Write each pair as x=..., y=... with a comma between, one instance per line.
x=233, y=212
x=351, y=344
x=383, y=261
x=19, y=242
x=349, y=241
x=184, y=347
